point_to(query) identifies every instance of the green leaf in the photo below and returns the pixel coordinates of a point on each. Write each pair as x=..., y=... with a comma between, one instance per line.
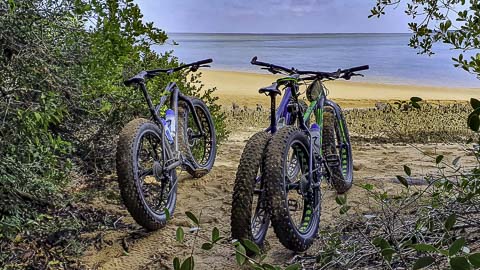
x=192, y=217
x=425, y=247
x=368, y=187
x=474, y=259
x=473, y=121
x=11, y=5
x=293, y=267
x=423, y=262
x=240, y=254
x=341, y=199
x=439, y=159
x=381, y=243
x=451, y=220
x=207, y=246
x=180, y=234
x=344, y=209
x=176, y=264
x=188, y=264
x=267, y=266
x=38, y=117
x=407, y=170
x=456, y=246
x=459, y=263
x=215, y=234
x=448, y=23
x=415, y=99
x=388, y=253
x=167, y=213
x=475, y=103
x=251, y=246
x=402, y=180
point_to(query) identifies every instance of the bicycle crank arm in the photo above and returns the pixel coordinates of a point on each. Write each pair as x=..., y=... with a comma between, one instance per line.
x=173, y=165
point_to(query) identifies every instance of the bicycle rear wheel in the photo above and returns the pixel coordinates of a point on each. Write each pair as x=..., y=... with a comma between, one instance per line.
x=337, y=148
x=249, y=217
x=199, y=150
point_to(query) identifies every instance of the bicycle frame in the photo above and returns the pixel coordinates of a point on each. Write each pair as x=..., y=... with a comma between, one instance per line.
x=172, y=156
x=276, y=114
x=291, y=90
x=317, y=107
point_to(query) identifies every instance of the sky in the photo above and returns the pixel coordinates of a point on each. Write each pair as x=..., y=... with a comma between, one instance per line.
x=270, y=16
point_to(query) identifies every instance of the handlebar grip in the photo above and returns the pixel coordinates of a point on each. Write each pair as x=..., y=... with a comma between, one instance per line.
x=263, y=64
x=202, y=62
x=360, y=68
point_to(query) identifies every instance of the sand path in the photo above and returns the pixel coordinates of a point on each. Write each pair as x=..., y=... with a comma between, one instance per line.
x=211, y=196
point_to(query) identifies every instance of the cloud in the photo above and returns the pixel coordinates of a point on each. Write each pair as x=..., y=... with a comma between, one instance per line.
x=261, y=16
x=266, y=7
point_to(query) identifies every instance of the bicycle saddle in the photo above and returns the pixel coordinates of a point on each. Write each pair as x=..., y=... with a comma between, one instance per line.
x=272, y=89
x=136, y=79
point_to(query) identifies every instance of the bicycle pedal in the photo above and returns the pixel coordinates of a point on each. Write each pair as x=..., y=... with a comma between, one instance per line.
x=332, y=160
x=292, y=205
x=203, y=171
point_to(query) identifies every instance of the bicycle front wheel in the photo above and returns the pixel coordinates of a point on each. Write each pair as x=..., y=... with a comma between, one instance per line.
x=147, y=190
x=293, y=197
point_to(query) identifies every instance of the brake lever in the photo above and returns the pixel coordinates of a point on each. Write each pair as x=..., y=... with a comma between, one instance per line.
x=205, y=66
x=271, y=70
x=194, y=68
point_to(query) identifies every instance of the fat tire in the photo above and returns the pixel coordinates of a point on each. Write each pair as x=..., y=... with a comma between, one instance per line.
x=241, y=213
x=284, y=228
x=195, y=169
x=340, y=182
x=128, y=181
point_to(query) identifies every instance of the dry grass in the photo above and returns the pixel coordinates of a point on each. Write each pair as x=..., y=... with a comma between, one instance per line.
x=432, y=123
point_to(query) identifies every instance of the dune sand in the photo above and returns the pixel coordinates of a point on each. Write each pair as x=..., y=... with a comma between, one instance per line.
x=242, y=88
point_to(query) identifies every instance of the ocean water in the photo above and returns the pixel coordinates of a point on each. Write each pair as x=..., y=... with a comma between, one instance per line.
x=390, y=58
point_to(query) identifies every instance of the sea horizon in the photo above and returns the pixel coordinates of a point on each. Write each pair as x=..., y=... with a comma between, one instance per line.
x=283, y=33
x=390, y=58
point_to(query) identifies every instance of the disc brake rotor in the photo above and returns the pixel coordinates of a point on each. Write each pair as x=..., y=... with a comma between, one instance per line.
x=191, y=140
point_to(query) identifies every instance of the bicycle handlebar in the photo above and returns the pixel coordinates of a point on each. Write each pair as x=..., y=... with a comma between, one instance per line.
x=154, y=72
x=271, y=66
x=194, y=64
x=345, y=73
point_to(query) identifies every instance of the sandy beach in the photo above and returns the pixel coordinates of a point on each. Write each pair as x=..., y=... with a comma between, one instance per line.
x=242, y=88
x=129, y=247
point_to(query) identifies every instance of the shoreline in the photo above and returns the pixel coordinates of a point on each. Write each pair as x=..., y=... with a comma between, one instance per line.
x=354, y=79
x=242, y=87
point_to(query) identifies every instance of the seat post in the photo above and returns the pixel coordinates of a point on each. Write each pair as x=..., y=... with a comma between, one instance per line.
x=273, y=118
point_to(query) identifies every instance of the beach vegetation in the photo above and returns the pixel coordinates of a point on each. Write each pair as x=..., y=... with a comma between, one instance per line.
x=62, y=104
x=453, y=22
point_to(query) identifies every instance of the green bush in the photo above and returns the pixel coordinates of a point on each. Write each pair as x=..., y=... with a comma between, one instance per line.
x=62, y=98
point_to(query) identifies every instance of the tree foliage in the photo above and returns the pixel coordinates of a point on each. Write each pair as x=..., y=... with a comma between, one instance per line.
x=454, y=22
x=62, y=100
